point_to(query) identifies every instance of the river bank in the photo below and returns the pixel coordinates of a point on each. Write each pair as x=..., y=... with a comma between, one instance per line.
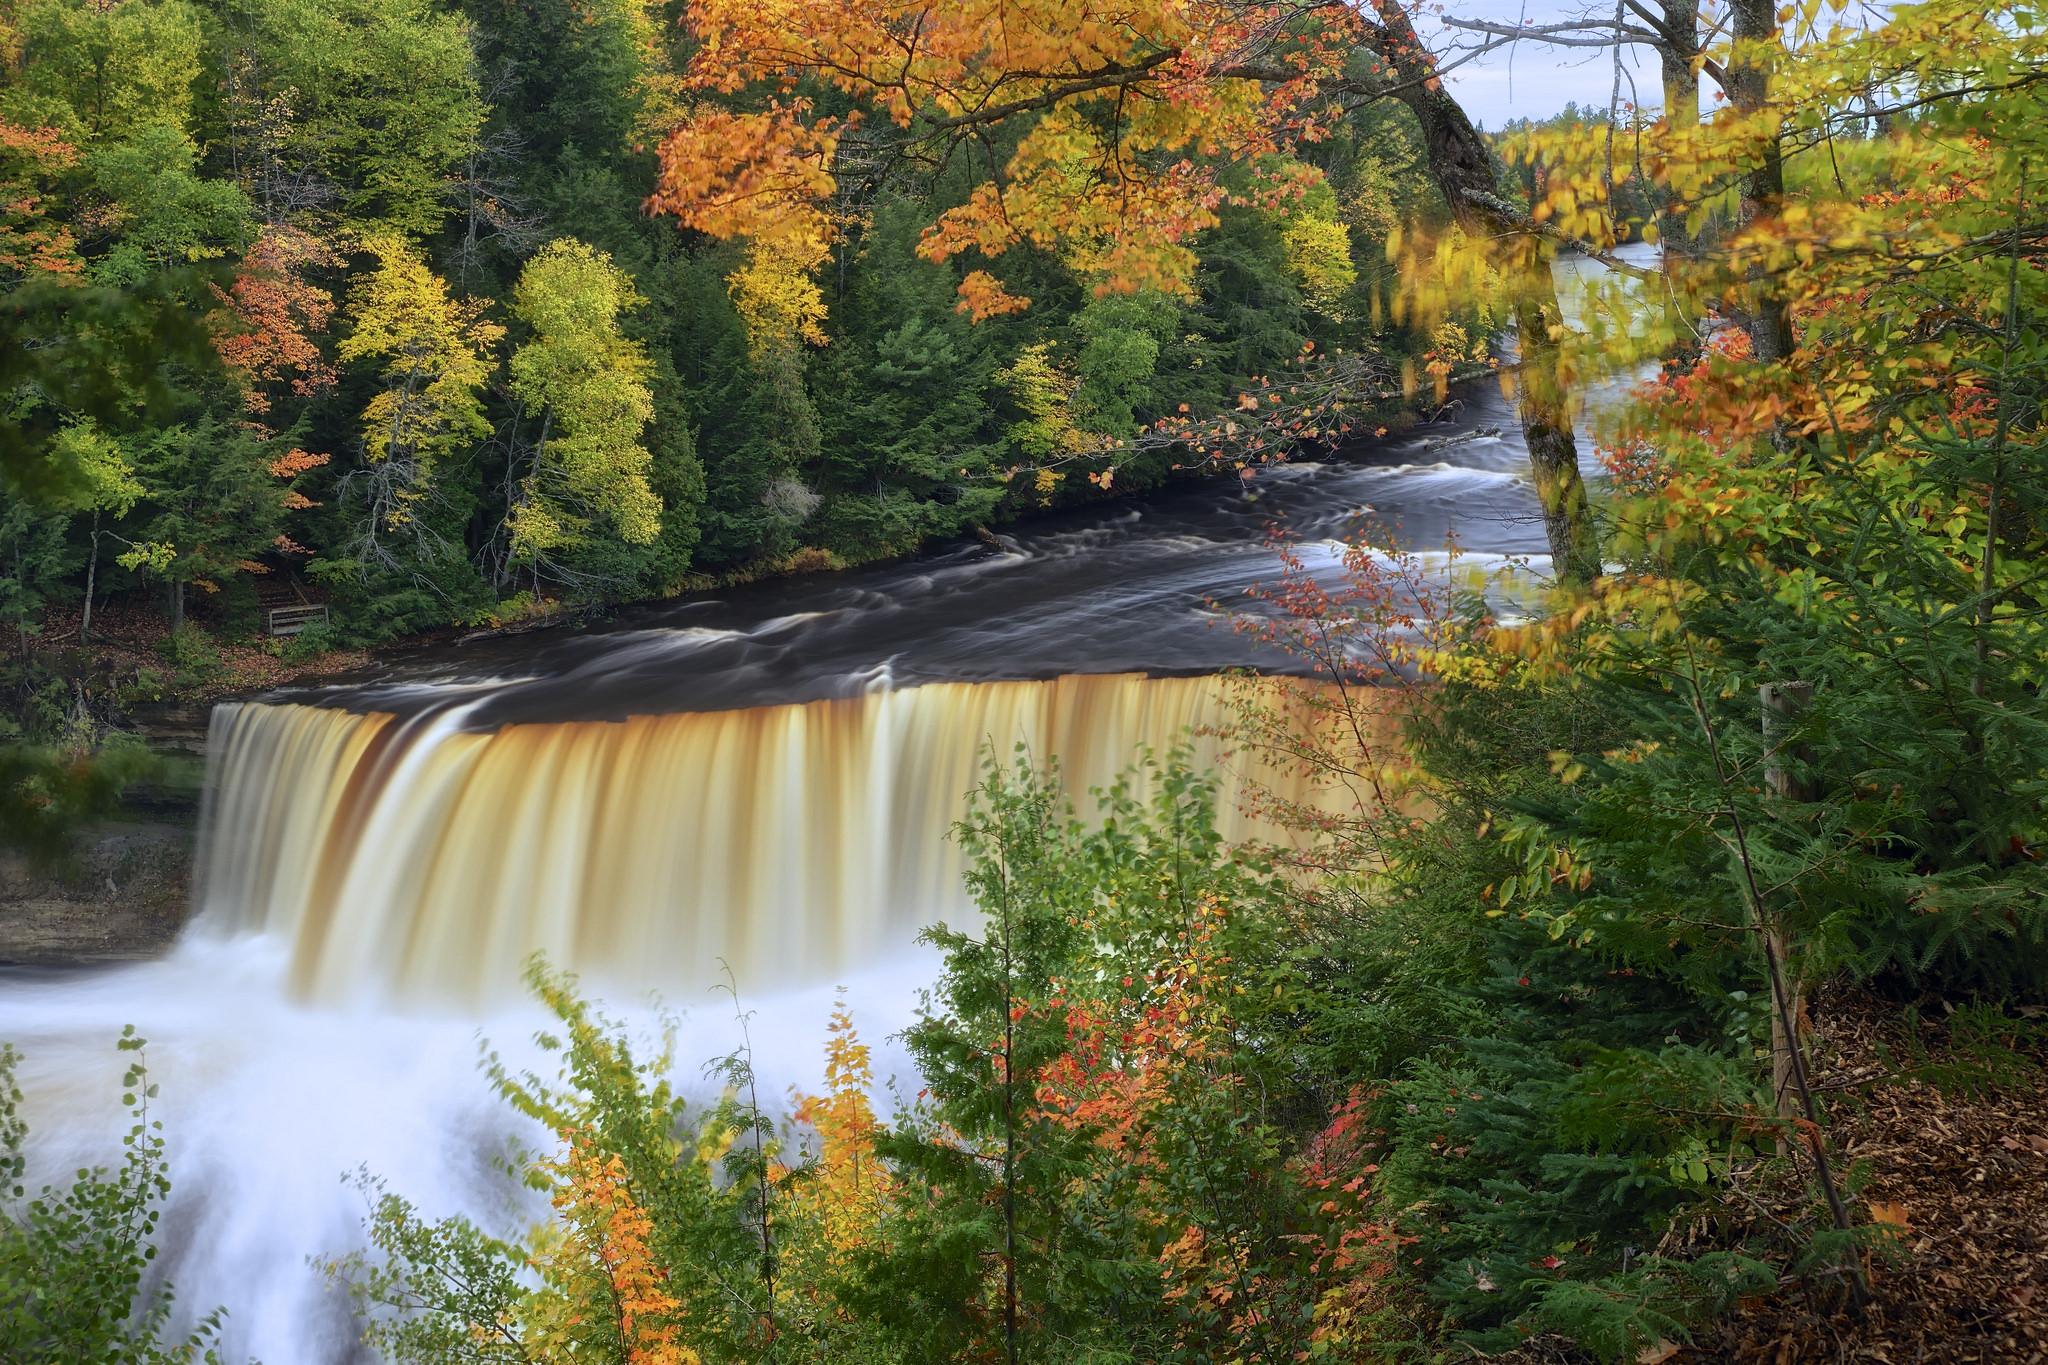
x=122, y=894
x=136, y=669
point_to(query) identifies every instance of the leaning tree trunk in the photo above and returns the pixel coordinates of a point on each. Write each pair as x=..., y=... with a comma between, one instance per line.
x=1462, y=166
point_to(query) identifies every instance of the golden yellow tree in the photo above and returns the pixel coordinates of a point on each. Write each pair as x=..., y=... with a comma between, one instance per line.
x=431, y=355
x=585, y=384
x=849, y=1187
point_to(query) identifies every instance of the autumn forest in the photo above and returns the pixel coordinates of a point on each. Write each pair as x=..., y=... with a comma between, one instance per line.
x=710, y=681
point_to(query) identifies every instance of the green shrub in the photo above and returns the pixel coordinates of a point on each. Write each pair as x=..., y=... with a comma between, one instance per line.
x=193, y=654
x=310, y=643
x=73, y=1257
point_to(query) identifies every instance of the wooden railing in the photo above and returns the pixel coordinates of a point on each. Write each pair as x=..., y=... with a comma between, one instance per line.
x=292, y=620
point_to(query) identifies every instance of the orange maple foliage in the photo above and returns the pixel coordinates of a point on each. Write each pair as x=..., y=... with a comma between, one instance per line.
x=274, y=315
x=1135, y=113
x=288, y=467
x=29, y=159
x=295, y=462
x=609, y=1233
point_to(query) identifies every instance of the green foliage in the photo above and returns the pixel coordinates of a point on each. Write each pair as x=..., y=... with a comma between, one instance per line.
x=1986, y=1049
x=70, y=352
x=74, y=1258
x=107, y=71
x=1122, y=339
x=193, y=653
x=47, y=793
x=165, y=213
x=378, y=99
x=40, y=557
x=310, y=643
x=458, y=1285
x=181, y=177
x=1107, y=1111
x=685, y=1182
x=586, y=386
x=210, y=500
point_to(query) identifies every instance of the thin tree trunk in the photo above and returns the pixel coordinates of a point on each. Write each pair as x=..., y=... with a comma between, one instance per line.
x=1994, y=491
x=92, y=568
x=1784, y=1024
x=1782, y=705
x=1009, y=1139
x=1674, y=236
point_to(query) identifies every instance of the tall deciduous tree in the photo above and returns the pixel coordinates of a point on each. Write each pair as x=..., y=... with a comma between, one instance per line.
x=106, y=71
x=431, y=356
x=369, y=106
x=586, y=386
x=111, y=488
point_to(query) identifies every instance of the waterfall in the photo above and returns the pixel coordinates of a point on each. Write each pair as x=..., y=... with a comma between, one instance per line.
x=414, y=856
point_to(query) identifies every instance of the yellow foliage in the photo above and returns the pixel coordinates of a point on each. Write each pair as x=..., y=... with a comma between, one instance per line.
x=1044, y=390
x=587, y=383
x=849, y=1188
x=775, y=293
x=1318, y=253
x=603, y=1285
x=433, y=355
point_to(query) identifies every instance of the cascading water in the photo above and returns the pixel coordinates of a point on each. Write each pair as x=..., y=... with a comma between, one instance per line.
x=372, y=884
x=414, y=856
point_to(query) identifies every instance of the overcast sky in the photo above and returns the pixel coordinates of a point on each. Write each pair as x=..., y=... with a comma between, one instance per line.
x=1533, y=80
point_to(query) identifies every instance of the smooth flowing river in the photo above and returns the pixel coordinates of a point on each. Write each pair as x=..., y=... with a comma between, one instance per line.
x=760, y=778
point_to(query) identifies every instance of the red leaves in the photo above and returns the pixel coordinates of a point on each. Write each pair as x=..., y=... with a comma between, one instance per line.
x=275, y=315
x=30, y=158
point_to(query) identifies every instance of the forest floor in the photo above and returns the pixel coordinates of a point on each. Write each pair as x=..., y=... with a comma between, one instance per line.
x=131, y=648
x=1944, y=1127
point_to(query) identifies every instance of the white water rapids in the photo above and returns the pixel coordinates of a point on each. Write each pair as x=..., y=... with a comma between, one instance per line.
x=371, y=887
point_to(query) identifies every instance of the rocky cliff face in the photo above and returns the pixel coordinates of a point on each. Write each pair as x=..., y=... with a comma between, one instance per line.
x=121, y=895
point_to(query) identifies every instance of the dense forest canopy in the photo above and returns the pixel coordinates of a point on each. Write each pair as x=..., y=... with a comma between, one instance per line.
x=452, y=329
